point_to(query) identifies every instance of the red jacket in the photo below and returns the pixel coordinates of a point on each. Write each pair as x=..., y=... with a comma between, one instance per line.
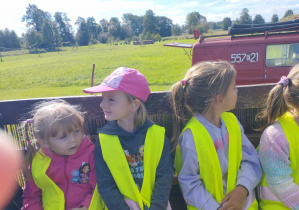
x=77, y=186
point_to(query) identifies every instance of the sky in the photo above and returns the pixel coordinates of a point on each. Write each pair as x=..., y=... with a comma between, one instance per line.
x=11, y=11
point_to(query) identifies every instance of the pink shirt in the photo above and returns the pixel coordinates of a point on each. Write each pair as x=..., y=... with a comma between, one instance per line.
x=77, y=186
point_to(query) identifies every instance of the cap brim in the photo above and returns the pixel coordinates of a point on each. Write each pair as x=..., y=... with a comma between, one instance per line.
x=99, y=89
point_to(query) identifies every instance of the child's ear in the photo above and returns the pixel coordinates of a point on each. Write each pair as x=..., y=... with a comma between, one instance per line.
x=218, y=99
x=136, y=104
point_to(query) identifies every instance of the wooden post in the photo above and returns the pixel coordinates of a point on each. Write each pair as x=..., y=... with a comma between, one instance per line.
x=92, y=75
x=1, y=57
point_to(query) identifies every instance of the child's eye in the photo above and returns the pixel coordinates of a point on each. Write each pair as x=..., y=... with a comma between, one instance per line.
x=77, y=131
x=63, y=137
x=111, y=99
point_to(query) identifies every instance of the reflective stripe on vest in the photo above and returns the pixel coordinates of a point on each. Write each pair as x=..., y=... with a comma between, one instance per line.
x=267, y=199
x=115, y=158
x=52, y=195
x=209, y=165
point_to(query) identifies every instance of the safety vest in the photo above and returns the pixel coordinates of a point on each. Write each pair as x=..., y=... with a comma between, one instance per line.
x=267, y=199
x=209, y=165
x=117, y=163
x=52, y=195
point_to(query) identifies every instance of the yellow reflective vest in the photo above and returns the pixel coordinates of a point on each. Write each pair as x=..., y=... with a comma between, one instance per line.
x=268, y=200
x=52, y=195
x=209, y=165
x=117, y=163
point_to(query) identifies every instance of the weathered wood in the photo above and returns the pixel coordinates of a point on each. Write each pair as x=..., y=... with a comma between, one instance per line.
x=13, y=111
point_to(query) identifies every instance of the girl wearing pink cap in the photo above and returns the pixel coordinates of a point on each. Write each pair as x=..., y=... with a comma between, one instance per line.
x=132, y=154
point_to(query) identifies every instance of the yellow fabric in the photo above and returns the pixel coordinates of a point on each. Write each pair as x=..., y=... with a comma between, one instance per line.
x=291, y=130
x=115, y=158
x=52, y=195
x=209, y=165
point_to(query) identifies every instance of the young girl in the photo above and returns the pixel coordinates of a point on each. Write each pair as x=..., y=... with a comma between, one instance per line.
x=218, y=167
x=132, y=154
x=279, y=146
x=52, y=159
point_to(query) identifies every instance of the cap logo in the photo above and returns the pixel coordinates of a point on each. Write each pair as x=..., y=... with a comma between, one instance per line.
x=115, y=78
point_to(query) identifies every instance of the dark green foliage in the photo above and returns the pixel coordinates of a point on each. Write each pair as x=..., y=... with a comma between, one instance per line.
x=288, y=13
x=274, y=18
x=150, y=23
x=258, y=19
x=9, y=39
x=35, y=17
x=227, y=22
x=245, y=18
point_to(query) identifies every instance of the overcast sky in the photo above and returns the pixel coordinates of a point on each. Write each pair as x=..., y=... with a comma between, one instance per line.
x=11, y=11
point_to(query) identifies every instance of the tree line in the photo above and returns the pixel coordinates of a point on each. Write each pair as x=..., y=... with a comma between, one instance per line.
x=50, y=32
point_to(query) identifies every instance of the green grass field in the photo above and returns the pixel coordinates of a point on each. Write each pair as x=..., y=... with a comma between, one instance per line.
x=68, y=72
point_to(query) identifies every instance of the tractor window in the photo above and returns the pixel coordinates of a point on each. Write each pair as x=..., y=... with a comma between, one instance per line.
x=282, y=55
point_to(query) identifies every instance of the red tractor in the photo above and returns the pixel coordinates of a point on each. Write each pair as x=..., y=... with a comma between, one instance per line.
x=261, y=53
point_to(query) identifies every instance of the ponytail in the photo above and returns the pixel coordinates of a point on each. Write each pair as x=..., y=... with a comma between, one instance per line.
x=276, y=107
x=181, y=112
x=282, y=98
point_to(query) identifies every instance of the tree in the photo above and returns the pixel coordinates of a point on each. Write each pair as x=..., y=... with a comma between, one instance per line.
x=245, y=18
x=258, y=19
x=35, y=17
x=274, y=18
x=114, y=28
x=176, y=30
x=165, y=25
x=150, y=23
x=83, y=36
x=193, y=20
x=33, y=39
x=64, y=27
x=288, y=13
x=227, y=22
x=50, y=35
x=92, y=27
x=134, y=23
x=9, y=39
x=104, y=24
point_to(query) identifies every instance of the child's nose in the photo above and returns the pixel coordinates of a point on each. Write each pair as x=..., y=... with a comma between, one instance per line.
x=102, y=104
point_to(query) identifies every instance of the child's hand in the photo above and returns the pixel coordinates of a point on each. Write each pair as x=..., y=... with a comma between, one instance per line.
x=81, y=208
x=235, y=199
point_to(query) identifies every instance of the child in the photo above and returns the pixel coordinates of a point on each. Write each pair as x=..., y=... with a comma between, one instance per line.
x=218, y=167
x=279, y=146
x=59, y=151
x=132, y=154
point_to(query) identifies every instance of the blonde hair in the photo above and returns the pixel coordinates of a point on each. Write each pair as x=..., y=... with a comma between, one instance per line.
x=281, y=99
x=141, y=114
x=203, y=82
x=47, y=119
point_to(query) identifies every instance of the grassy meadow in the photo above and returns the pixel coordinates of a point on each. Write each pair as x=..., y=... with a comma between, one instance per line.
x=66, y=73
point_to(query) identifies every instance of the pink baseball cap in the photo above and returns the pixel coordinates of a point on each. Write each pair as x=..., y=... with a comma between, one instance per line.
x=124, y=79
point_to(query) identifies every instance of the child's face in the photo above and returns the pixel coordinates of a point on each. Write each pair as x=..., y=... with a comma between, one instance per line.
x=65, y=143
x=116, y=106
x=230, y=99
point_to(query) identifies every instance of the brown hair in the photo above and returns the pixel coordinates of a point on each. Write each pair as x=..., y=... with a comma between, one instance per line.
x=47, y=119
x=204, y=81
x=280, y=100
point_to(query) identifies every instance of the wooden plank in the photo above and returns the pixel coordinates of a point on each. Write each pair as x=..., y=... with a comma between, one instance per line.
x=14, y=111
